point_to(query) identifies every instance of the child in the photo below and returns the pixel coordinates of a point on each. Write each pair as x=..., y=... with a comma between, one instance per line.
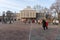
x=46, y=24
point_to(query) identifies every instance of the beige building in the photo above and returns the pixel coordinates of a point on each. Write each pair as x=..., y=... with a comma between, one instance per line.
x=18, y=16
x=28, y=13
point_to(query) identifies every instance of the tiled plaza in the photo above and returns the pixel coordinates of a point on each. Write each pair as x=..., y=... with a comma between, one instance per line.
x=21, y=31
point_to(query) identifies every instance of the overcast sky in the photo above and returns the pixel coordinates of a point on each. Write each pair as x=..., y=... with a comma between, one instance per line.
x=17, y=5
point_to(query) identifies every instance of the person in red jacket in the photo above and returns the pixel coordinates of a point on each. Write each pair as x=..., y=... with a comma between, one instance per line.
x=33, y=21
x=46, y=24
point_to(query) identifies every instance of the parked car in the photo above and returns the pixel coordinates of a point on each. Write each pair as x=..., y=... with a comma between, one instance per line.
x=56, y=22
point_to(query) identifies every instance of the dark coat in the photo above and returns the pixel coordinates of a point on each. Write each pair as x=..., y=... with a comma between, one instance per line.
x=43, y=23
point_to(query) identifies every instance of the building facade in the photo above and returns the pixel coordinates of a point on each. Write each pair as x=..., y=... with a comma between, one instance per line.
x=28, y=13
x=18, y=16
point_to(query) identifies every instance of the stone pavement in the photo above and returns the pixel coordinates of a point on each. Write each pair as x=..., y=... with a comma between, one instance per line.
x=40, y=34
x=21, y=31
x=58, y=35
x=14, y=31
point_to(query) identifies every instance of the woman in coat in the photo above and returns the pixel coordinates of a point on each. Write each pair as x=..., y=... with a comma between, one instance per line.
x=44, y=24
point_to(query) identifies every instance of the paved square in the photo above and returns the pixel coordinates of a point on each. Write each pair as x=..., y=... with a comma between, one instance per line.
x=21, y=31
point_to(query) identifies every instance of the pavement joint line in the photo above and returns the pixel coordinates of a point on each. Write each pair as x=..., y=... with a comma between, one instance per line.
x=30, y=32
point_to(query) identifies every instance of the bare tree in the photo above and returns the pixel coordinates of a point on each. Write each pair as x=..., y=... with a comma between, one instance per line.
x=56, y=6
x=9, y=16
x=38, y=8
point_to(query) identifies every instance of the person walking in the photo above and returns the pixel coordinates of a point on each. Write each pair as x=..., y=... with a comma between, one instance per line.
x=43, y=24
x=46, y=24
x=33, y=21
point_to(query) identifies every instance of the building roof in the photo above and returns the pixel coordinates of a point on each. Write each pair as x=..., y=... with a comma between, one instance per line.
x=28, y=8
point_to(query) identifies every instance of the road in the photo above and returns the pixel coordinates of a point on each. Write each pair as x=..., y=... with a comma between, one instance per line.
x=21, y=31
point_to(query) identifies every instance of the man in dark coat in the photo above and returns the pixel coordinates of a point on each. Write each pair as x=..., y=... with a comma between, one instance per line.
x=44, y=24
